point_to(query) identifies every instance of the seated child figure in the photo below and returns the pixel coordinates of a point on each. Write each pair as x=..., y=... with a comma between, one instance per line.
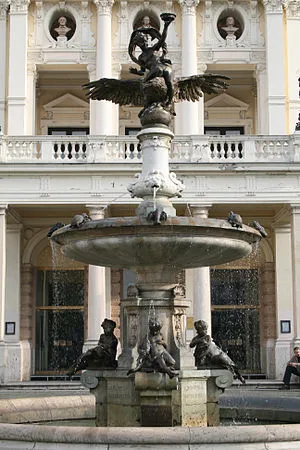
x=153, y=354
x=207, y=353
x=101, y=356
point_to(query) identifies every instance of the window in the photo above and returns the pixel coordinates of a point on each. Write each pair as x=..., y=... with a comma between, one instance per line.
x=65, y=131
x=223, y=131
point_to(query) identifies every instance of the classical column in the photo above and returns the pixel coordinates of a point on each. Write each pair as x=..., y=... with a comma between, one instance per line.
x=104, y=110
x=292, y=8
x=3, y=38
x=98, y=290
x=187, y=119
x=201, y=280
x=32, y=76
x=295, y=222
x=277, y=120
x=284, y=296
x=17, y=77
x=13, y=358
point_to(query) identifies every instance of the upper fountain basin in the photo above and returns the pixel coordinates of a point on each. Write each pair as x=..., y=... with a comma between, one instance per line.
x=133, y=242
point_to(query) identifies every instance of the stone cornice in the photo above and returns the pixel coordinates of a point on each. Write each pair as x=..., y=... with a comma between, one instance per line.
x=104, y=6
x=188, y=6
x=19, y=6
x=292, y=8
x=273, y=6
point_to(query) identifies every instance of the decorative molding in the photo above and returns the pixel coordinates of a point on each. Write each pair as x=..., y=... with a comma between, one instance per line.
x=292, y=8
x=188, y=6
x=273, y=6
x=4, y=4
x=19, y=6
x=104, y=6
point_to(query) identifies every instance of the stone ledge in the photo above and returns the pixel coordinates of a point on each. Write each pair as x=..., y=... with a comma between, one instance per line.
x=40, y=409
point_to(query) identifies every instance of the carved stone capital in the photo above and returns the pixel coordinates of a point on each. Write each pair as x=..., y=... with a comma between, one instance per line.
x=19, y=6
x=104, y=6
x=273, y=6
x=292, y=8
x=188, y=6
x=3, y=8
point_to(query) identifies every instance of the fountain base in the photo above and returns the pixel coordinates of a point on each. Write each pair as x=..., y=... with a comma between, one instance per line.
x=154, y=400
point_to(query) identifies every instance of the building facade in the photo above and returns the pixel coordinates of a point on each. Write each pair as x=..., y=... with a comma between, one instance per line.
x=61, y=155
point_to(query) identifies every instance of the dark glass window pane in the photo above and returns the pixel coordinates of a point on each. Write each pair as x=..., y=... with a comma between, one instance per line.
x=234, y=287
x=59, y=339
x=60, y=288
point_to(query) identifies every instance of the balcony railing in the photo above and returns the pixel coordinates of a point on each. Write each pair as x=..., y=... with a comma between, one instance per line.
x=126, y=149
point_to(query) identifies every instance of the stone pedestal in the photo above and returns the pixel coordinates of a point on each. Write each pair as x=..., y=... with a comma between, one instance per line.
x=153, y=399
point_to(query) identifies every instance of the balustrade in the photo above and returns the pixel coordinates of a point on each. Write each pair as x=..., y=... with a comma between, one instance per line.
x=126, y=149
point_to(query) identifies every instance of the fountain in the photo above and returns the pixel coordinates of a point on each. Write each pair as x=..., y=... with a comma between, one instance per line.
x=156, y=382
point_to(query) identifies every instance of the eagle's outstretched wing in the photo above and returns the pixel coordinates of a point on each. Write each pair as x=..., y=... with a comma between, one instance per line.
x=122, y=92
x=192, y=88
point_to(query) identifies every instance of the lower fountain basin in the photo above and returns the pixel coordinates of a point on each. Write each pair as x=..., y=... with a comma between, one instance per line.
x=133, y=242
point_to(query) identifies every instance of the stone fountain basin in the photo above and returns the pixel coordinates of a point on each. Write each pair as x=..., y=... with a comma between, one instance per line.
x=133, y=242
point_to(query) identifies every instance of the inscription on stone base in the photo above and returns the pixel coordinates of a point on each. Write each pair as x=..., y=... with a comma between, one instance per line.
x=156, y=416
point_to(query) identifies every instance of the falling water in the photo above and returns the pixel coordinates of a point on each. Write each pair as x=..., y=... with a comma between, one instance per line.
x=155, y=189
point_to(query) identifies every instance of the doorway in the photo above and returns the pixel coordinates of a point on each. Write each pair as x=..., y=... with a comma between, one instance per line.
x=59, y=319
x=235, y=315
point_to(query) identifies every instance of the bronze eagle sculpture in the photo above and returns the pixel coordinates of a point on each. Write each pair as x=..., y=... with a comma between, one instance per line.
x=156, y=87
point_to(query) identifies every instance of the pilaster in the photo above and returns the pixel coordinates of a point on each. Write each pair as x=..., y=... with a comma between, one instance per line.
x=268, y=318
x=32, y=76
x=98, y=290
x=292, y=10
x=17, y=77
x=2, y=289
x=295, y=241
x=262, y=99
x=26, y=319
x=3, y=39
x=188, y=120
x=12, y=303
x=277, y=122
x=104, y=109
x=284, y=296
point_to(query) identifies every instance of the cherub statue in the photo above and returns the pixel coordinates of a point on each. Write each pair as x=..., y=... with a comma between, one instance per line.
x=153, y=354
x=208, y=354
x=156, y=89
x=101, y=356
